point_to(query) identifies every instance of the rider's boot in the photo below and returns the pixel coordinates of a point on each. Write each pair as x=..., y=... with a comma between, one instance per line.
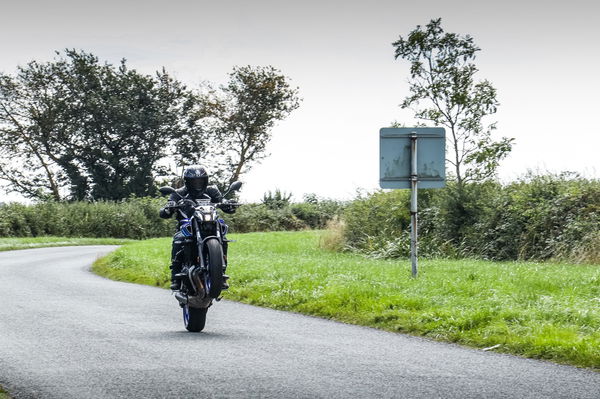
x=175, y=269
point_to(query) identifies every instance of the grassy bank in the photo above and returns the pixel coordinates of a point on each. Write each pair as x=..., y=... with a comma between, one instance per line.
x=539, y=310
x=9, y=244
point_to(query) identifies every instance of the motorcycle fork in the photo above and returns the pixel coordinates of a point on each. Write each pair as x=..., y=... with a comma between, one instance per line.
x=187, y=251
x=199, y=244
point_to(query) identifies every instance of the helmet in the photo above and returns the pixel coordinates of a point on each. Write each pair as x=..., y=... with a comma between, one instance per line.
x=196, y=179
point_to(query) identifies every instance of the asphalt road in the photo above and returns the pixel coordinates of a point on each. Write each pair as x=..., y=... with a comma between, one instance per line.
x=66, y=333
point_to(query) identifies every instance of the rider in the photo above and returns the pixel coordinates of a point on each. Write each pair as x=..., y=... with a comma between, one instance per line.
x=196, y=186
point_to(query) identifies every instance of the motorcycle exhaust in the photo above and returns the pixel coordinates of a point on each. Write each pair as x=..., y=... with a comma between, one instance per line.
x=181, y=298
x=196, y=279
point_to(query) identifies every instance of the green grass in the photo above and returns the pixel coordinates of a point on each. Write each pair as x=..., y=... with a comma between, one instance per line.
x=12, y=243
x=143, y=262
x=539, y=310
x=3, y=394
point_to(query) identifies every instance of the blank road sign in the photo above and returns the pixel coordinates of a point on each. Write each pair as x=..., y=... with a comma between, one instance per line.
x=394, y=151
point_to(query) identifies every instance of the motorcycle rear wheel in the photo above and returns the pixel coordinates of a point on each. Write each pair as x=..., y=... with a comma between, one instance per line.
x=194, y=319
x=215, y=267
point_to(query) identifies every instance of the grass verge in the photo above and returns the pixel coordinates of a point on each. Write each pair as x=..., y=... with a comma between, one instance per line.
x=3, y=394
x=12, y=243
x=538, y=310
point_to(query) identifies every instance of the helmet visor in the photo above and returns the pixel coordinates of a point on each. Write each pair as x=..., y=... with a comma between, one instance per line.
x=198, y=183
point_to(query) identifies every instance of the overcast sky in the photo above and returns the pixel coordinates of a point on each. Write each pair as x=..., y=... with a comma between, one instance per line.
x=541, y=56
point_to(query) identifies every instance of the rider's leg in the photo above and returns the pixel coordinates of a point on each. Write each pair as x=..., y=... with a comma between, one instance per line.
x=226, y=277
x=176, y=262
x=225, y=250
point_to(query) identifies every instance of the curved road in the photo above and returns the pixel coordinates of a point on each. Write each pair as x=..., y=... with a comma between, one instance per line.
x=66, y=333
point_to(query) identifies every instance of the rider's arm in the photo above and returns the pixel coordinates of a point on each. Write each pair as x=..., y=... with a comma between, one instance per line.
x=166, y=211
x=216, y=197
x=227, y=208
x=214, y=193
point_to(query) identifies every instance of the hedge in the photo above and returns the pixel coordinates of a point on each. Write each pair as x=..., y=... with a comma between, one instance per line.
x=534, y=218
x=138, y=218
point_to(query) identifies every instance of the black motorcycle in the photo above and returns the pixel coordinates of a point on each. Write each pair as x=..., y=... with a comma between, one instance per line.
x=202, y=274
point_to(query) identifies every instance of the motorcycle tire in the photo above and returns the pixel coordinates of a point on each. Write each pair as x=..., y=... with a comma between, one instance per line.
x=215, y=267
x=194, y=318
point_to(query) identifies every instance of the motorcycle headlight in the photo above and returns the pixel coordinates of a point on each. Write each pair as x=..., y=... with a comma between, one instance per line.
x=207, y=217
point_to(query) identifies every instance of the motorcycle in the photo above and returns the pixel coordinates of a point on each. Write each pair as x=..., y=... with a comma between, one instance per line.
x=203, y=268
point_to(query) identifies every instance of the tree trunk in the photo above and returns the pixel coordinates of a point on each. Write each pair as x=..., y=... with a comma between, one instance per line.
x=459, y=178
x=240, y=165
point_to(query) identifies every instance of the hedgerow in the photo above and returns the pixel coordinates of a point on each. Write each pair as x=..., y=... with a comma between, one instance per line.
x=138, y=218
x=536, y=217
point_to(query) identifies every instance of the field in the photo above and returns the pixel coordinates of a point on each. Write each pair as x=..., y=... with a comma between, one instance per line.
x=539, y=310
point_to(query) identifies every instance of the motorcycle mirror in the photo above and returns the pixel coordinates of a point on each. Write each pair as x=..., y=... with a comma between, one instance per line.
x=235, y=186
x=166, y=190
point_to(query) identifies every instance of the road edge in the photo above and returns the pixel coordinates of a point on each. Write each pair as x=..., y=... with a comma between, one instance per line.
x=4, y=394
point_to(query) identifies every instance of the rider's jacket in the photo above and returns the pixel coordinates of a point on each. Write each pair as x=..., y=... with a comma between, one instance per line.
x=213, y=192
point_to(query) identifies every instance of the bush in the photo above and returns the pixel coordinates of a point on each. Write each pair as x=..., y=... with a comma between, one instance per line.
x=134, y=218
x=543, y=217
x=137, y=218
x=537, y=217
x=312, y=214
x=260, y=217
x=372, y=222
x=277, y=200
x=317, y=212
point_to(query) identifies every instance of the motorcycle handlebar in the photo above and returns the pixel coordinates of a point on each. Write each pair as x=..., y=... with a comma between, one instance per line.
x=230, y=203
x=185, y=201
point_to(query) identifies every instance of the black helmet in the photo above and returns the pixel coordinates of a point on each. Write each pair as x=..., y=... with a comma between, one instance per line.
x=196, y=179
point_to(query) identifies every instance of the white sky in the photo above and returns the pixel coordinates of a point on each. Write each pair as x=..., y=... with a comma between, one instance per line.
x=542, y=57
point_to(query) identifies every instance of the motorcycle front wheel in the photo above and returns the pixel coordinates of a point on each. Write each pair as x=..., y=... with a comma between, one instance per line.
x=194, y=318
x=215, y=267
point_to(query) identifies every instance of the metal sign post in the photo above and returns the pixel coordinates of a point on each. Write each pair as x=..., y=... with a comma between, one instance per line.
x=403, y=164
x=414, y=181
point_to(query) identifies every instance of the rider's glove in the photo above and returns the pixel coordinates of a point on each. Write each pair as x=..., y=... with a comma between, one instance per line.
x=168, y=209
x=226, y=207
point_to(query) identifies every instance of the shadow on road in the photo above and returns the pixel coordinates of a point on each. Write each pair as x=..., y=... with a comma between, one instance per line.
x=186, y=336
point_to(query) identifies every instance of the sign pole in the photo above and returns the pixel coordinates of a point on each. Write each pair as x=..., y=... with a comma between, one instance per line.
x=399, y=168
x=413, y=202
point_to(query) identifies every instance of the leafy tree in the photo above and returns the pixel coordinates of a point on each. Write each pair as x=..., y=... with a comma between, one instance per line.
x=443, y=91
x=241, y=115
x=79, y=128
x=26, y=162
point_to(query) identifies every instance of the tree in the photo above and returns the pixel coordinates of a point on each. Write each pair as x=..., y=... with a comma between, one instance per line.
x=25, y=161
x=79, y=128
x=241, y=115
x=443, y=91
